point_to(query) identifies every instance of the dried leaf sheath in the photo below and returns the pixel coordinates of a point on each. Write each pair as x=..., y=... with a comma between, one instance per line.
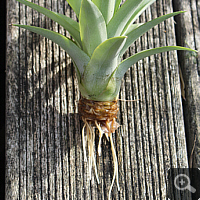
x=104, y=113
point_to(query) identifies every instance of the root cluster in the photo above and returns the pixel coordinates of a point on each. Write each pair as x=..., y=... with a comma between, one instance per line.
x=100, y=115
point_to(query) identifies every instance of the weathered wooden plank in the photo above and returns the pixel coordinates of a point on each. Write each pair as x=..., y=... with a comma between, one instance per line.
x=188, y=34
x=22, y=111
x=12, y=102
x=44, y=155
x=29, y=112
x=42, y=90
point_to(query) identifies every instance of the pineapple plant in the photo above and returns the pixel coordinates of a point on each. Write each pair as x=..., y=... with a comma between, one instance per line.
x=101, y=35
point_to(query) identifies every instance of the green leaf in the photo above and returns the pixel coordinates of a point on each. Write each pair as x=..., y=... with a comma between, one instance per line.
x=117, y=4
x=121, y=17
x=106, y=7
x=92, y=26
x=70, y=21
x=140, y=9
x=133, y=27
x=127, y=63
x=75, y=5
x=79, y=57
x=136, y=33
x=110, y=93
x=67, y=23
x=102, y=64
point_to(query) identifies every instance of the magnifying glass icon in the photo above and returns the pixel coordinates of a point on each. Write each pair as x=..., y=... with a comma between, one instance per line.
x=182, y=182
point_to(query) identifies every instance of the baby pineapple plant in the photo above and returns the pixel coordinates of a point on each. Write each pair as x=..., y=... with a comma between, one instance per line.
x=101, y=36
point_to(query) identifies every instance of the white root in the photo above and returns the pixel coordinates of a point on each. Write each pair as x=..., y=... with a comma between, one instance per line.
x=83, y=138
x=115, y=168
x=100, y=137
x=90, y=139
x=90, y=135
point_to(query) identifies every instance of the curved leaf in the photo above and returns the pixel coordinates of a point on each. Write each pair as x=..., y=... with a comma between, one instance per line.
x=75, y=5
x=79, y=57
x=133, y=27
x=106, y=7
x=122, y=16
x=117, y=4
x=67, y=23
x=102, y=64
x=92, y=26
x=140, y=9
x=70, y=21
x=136, y=33
x=127, y=63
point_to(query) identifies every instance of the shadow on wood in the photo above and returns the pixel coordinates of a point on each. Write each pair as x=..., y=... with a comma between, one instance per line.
x=44, y=157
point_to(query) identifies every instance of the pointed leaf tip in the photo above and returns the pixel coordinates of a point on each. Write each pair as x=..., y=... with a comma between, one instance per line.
x=134, y=34
x=66, y=22
x=79, y=57
x=127, y=63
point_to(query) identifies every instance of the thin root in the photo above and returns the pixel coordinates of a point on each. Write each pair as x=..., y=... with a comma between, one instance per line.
x=115, y=168
x=83, y=138
x=90, y=135
x=100, y=136
x=90, y=138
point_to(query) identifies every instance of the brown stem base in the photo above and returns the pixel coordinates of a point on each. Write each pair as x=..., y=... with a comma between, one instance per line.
x=100, y=115
x=104, y=113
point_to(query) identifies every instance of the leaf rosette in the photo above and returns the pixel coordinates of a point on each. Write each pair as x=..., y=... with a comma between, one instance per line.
x=104, y=32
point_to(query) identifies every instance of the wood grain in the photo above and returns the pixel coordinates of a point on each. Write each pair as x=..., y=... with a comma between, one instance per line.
x=189, y=36
x=44, y=157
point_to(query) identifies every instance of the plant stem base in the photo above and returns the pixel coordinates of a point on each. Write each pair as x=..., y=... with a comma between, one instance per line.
x=100, y=115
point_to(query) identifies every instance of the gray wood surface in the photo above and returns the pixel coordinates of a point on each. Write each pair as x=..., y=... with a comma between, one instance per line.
x=188, y=34
x=44, y=157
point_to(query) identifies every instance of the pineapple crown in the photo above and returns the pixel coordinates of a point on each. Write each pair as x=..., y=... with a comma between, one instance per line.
x=104, y=32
